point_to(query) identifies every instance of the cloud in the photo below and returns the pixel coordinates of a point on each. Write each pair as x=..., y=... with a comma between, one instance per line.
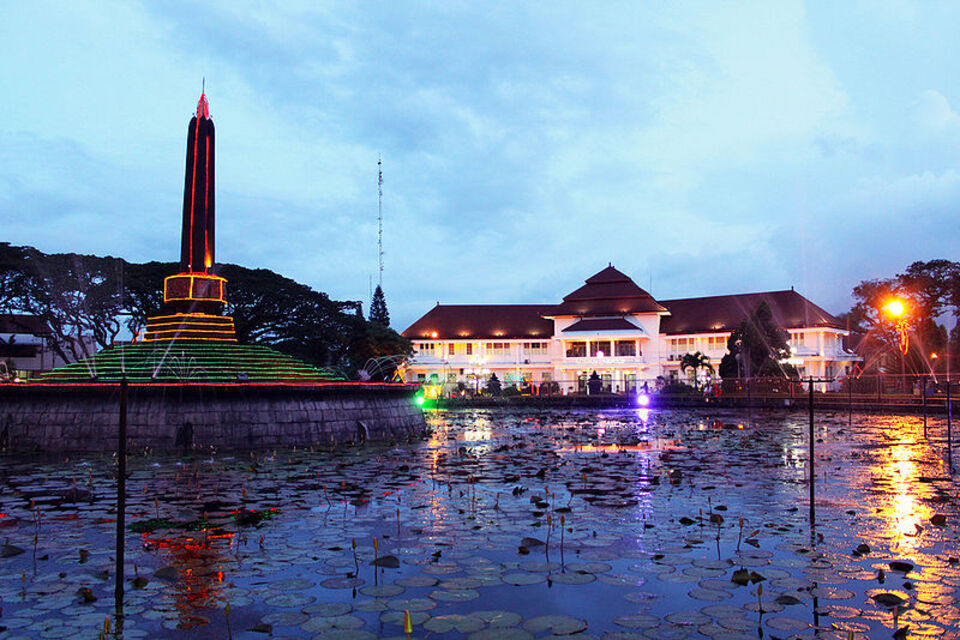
x=716, y=148
x=934, y=112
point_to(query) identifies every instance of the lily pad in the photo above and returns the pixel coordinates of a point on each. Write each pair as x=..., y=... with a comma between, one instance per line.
x=557, y=625
x=454, y=622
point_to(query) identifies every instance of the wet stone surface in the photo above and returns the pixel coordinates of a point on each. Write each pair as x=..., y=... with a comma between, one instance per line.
x=613, y=524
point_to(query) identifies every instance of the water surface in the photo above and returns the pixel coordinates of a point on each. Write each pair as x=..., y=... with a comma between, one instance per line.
x=605, y=524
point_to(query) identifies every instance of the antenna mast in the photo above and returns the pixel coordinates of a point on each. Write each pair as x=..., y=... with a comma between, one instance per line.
x=380, y=217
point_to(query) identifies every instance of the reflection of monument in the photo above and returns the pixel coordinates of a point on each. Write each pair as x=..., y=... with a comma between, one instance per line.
x=196, y=294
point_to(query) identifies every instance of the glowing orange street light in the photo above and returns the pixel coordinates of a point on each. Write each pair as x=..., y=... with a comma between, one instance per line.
x=897, y=309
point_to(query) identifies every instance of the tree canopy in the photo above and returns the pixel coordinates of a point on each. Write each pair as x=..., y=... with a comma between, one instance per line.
x=757, y=348
x=696, y=361
x=95, y=297
x=930, y=291
x=378, y=308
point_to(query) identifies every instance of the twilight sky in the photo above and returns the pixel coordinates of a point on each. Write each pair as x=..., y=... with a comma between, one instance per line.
x=703, y=148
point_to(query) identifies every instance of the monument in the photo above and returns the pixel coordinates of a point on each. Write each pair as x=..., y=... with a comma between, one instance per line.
x=196, y=292
x=191, y=384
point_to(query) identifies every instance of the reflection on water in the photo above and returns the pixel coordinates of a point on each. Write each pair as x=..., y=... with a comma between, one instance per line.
x=635, y=521
x=196, y=565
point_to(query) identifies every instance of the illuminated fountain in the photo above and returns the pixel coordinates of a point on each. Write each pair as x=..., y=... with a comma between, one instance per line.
x=191, y=383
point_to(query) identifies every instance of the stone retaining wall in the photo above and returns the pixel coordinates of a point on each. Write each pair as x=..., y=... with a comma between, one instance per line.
x=58, y=418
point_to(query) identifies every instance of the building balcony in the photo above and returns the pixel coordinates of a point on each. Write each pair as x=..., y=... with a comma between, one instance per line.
x=605, y=361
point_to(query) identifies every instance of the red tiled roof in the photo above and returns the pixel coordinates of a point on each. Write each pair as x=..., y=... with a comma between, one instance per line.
x=603, y=324
x=725, y=313
x=511, y=321
x=608, y=292
x=23, y=323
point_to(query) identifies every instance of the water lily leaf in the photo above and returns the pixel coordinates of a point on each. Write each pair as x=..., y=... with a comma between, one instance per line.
x=512, y=633
x=889, y=600
x=167, y=574
x=388, y=562
x=637, y=621
x=326, y=609
x=741, y=577
x=454, y=622
x=557, y=625
x=499, y=619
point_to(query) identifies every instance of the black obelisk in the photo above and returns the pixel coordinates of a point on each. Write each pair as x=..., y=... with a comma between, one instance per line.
x=197, y=239
x=195, y=296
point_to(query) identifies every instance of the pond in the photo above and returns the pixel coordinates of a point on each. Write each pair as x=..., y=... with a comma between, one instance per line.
x=602, y=524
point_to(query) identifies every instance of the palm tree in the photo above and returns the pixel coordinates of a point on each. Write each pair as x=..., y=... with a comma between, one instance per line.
x=695, y=361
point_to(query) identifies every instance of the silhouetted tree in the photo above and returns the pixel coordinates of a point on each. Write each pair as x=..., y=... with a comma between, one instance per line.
x=493, y=385
x=89, y=296
x=757, y=347
x=378, y=308
x=695, y=361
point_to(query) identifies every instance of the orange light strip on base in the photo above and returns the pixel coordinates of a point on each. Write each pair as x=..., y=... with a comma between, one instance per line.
x=191, y=289
x=191, y=338
x=209, y=316
x=221, y=326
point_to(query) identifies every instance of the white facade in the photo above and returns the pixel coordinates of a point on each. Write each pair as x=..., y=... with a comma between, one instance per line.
x=817, y=352
x=564, y=344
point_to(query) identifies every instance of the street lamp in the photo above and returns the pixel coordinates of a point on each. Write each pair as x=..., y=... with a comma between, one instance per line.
x=897, y=310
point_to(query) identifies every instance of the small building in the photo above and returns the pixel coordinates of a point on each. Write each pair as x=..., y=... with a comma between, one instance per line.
x=23, y=346
x=612, y=327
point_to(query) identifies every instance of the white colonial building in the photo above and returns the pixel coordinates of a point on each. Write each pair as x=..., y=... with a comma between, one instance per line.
x=614, y=328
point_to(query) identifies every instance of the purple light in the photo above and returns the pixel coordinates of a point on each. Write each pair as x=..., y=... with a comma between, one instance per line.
x=643, y=400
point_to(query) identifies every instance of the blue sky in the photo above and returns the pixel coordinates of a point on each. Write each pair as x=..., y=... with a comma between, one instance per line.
x=703, y=148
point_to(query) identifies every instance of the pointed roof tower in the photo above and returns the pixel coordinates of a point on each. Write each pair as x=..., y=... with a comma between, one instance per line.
x=608, y=293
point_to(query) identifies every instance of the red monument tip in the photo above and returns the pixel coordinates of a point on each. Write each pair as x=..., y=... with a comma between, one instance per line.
x=203, y=107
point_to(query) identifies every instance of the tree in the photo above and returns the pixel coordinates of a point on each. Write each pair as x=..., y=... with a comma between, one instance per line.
x=378, y=308
x=757, y=347
x=493, y=385
x=695, y=361
x=84, y=299
x=76, y=296
x=879, y=332
x=928, y=290
x=12, y=260
x=143, y=292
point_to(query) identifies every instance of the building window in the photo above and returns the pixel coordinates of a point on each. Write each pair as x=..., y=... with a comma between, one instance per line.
x=718, y=343
x=576, y=349
x=451, y=349
x=546, y=376
x=498, y=348
x=469, y=348
x=626, y=348
x=426, y=348
x=599, y=348
x=451, y=377
x=535, y=348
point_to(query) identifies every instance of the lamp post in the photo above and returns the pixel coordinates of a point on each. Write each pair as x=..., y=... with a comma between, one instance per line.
x=897, y=310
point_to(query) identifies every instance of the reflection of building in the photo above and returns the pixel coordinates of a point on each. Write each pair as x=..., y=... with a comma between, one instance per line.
x=613, y=327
